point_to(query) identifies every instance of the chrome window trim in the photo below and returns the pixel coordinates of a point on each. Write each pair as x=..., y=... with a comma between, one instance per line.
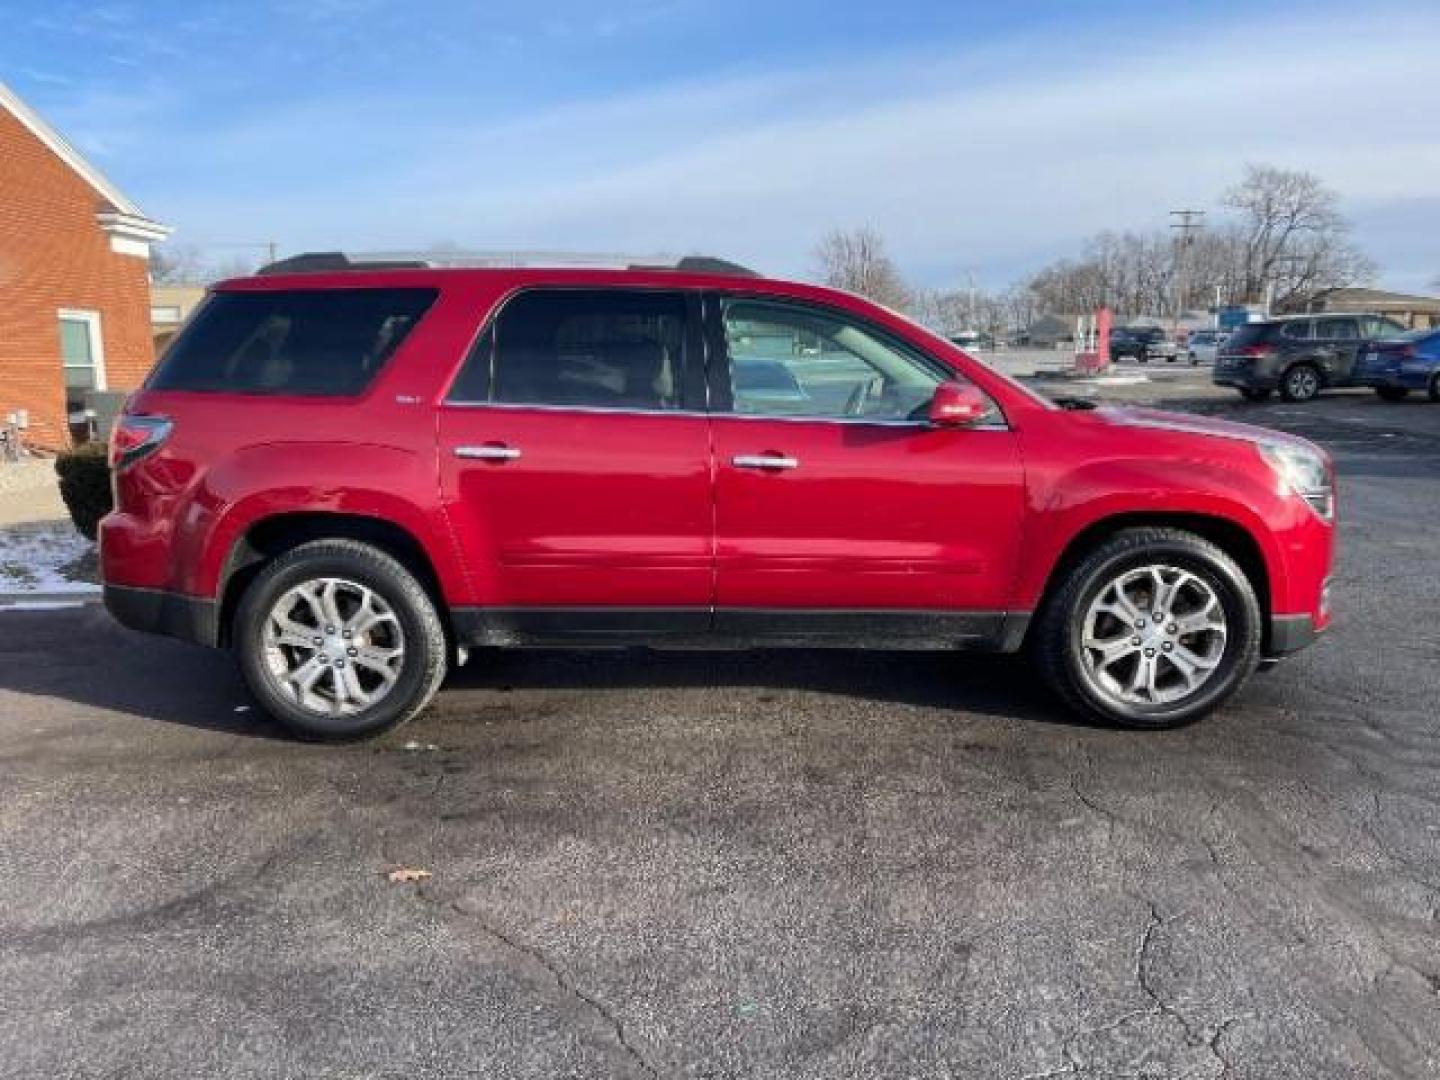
x=868, y=422
x=693, y=413
x=602, y=410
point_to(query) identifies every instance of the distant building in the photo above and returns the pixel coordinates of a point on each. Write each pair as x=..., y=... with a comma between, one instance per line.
x=1416, y=312
x=170, y=306
x=74, y=284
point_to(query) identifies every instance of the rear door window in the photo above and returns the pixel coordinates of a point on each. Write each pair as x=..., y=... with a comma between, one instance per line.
x=581, y=348
x=322, y=342
x=1298, y=329
x=1337, y=330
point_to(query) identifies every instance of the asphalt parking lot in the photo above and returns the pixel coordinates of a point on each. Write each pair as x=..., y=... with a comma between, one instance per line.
x=746, y=865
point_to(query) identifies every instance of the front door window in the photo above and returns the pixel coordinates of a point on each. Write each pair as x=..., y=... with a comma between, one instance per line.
x=792, y=360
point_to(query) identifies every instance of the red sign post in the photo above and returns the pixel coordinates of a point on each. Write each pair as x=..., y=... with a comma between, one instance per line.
x=1092, y=343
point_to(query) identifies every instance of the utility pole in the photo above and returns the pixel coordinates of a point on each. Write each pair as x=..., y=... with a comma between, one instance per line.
x=1187, y=221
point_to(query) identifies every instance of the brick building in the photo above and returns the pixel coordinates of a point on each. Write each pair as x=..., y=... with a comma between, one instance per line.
x=74, y=284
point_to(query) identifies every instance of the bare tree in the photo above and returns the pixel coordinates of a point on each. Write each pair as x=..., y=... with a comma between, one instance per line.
x=1288, y=236
x=856, y=260
x=235, y=266
x=1294, y=237
x=176, y=264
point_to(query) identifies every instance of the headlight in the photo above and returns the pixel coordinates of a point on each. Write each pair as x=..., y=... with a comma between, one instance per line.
x=1304, y=472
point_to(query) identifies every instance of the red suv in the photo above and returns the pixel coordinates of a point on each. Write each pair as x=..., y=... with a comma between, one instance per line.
x=351, y=474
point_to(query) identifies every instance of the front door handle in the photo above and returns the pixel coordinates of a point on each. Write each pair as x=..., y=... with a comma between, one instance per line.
x=489, y=452
x=764, y=461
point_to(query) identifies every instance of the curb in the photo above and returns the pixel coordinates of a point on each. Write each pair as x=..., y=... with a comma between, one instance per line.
x=48, y=601
x=1091, y=380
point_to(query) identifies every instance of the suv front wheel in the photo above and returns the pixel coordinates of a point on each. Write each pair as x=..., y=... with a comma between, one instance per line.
x=339, y=641
x=1154, y=628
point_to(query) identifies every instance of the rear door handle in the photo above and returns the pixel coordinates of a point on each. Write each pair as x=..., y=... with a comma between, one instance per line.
x=492, y=452
x=764, y=461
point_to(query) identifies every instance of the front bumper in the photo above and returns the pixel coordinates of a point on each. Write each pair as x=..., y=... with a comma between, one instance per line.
x=158, y=611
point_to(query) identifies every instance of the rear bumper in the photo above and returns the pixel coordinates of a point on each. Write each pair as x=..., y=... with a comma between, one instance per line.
x=1243, y=379
x=157, y=611
x=1289, y=634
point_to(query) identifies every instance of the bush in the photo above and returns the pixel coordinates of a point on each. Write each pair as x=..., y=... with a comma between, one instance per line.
x=85, y=485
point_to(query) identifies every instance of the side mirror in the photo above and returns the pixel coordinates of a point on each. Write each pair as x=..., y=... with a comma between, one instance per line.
x=958, y=404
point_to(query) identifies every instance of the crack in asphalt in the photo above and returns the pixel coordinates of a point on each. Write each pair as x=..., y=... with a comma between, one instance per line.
x=555, y=974
x=1160, y=1006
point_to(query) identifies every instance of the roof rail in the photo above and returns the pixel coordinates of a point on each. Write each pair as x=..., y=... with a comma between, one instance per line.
x=315, y=262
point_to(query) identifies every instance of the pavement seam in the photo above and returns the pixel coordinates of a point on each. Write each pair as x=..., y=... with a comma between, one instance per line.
x=556, y=974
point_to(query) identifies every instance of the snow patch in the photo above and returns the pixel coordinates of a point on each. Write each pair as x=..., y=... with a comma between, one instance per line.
x=33, y=558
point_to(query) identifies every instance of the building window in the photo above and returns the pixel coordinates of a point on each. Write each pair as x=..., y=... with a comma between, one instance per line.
x=82, y=354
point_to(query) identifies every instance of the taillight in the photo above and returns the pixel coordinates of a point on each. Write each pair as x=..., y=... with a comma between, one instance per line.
x=1257, y=351
x=137, y=437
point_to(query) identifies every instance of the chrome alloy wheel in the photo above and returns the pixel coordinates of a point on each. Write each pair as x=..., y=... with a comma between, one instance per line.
x=1303, y=383
x=1153, y=635
x=333, y=646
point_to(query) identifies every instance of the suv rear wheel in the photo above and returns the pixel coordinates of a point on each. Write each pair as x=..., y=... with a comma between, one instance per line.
x=1301, y=383
x=1154, y=628
x=338, y=641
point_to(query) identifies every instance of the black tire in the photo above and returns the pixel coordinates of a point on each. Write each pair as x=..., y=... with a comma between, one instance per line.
x=1301, y=383
x=1392, y=393
x=1056, y=643
x=1251, y=393
x=1435, y=387
x=422, y=666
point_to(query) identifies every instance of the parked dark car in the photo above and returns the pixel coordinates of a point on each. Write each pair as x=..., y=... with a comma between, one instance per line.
x=1299, y=355
x=1142, y=343
x=1394, y=368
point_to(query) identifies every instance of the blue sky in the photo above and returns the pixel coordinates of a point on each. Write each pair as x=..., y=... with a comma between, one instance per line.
x=984, y=138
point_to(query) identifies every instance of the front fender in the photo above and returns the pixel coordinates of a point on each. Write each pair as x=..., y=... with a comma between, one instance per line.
x=1068, y=502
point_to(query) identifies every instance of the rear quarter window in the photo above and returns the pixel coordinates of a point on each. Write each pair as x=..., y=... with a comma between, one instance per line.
x=318, y=342
x=1247, y=334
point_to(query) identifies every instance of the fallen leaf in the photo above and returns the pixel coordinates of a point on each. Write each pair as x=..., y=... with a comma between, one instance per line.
x=405, y=875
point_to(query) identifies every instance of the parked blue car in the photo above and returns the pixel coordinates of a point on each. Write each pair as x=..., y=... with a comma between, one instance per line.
x=1409, y=362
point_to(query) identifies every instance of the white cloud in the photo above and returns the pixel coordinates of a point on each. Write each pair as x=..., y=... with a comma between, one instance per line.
x=993, y=160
